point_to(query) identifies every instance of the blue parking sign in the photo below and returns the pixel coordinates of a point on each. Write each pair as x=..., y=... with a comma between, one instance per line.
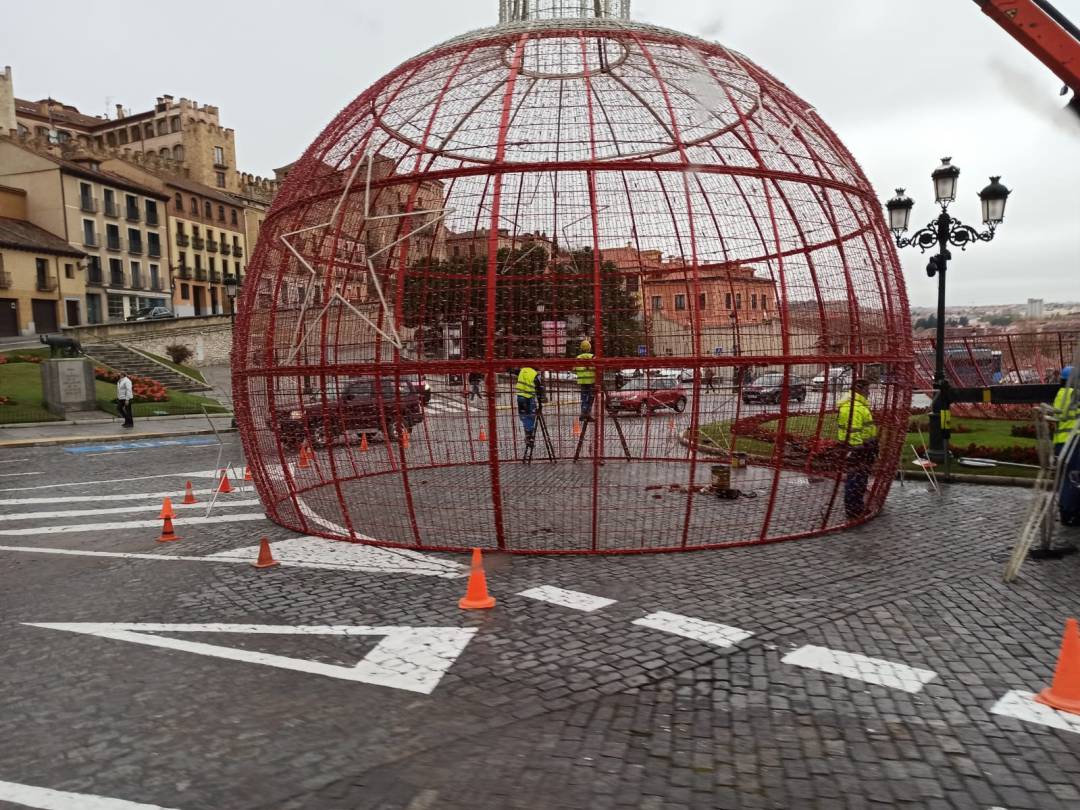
x=642, y=350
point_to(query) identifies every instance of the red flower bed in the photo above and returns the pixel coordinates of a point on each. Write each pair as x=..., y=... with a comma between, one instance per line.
x=144, y=389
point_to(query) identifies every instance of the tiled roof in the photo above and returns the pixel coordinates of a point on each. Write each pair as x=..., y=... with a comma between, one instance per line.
x=22, y=235
x=64, y=114
x=84, y=170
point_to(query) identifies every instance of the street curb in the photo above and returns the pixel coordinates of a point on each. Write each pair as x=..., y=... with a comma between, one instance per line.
x=68, y=422
x=58, y=440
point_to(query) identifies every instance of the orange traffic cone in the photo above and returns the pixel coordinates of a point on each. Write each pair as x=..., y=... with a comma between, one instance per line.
x=266, y=557
x=363, y=443
x=224, y=486
x=483, y=435
x=405, y=439
x=577, y=428
x=476, y=595
x=305, y=460
x=247, y=474
x=167, y=514
x=1064, y=692
x=189, y=493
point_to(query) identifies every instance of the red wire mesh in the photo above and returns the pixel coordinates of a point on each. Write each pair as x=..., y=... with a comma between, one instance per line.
x=492, y=202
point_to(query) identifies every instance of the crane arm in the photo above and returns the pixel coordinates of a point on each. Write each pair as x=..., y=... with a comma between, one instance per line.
x=1044, y=31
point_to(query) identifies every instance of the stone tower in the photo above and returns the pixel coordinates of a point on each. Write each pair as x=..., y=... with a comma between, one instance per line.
x=7, y=102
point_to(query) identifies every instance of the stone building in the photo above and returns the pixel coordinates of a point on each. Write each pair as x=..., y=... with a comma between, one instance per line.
x=118, y=223
x=38, y=273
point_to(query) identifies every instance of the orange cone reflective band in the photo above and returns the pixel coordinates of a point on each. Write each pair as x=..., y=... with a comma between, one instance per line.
x=189, y=493
x=1064, y=693
x=476, y=595
x=224, y=486
x=266, y=558
x=167, y=514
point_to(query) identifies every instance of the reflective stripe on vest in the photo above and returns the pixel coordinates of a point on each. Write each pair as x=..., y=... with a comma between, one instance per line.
x=586, y=375
x=1068, y=409
x=526, y=383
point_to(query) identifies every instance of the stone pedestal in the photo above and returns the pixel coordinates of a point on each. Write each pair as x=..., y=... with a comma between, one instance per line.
x=68, y=385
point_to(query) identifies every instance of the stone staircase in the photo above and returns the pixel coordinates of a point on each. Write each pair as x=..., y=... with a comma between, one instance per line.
x=118, y=357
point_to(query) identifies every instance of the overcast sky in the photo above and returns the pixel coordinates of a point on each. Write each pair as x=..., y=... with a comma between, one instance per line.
x=902, y=83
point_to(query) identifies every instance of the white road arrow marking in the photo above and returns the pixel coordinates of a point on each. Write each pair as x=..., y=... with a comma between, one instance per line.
x=410, y=658
x=46, y=799
x=861, y=668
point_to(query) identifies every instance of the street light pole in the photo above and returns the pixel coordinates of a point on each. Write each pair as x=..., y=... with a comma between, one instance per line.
x=945, y=230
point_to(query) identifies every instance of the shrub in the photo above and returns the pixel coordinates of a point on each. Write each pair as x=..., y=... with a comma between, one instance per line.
x=178, y=353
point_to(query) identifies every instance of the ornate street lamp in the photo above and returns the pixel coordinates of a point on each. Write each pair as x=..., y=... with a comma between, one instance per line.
x=945, y=230
x=231, y=284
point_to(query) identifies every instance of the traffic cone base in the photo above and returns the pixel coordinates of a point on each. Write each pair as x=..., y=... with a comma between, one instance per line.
x=167, y=533
x=266, y=557
x=189, y=493
x=476, y=594
x=1064, y=692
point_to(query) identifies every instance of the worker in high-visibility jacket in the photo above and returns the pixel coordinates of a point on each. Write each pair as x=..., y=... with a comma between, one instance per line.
x=586, y=379
x=856, y=430
x=1067, y=408
x=530, y=400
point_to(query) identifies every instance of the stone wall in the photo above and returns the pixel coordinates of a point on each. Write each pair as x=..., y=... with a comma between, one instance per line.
x=209, y=336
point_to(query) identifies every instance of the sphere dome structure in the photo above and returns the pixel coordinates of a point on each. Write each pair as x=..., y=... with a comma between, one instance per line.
x=493, y=202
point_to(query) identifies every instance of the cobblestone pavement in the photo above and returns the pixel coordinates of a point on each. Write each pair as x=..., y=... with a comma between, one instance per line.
x=548, y=705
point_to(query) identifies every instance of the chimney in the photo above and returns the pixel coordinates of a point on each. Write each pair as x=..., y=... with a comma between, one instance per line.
x=119, y=111
x=7, y=102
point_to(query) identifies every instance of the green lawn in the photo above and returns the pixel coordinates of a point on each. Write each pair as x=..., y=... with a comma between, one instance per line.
x=994, y=433
x=188, y=370
x=178, y=403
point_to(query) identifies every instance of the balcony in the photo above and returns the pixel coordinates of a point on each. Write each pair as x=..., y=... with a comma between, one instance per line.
x=184, y=272
x=114, y=244
x=88, y=204
x=237, y=251
x=5, y=280
x=211, y=246
x=46, y=283
x=116, y=280
x=153, y=250
x=132, y=214
x=135, y=247
x=136, y=283
x=152, y=219
x=111, y=210
x=155, y=285
x=200, y=274
x=198, y=242
x=93, y=276
x=90, y=239
x=182, y=239
x=226, y=249
x=215, y=276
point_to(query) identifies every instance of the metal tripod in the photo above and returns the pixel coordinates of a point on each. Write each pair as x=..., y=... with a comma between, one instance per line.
x=530, y=441
x=588, y=421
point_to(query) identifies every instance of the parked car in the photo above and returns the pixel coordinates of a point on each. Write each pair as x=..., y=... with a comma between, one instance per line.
x=361, y=407
x=151, y=314
x=839, y=378
x=646, y=394
x=770, y=388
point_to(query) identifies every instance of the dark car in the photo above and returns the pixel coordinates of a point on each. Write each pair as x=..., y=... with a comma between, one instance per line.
x=770, y=388
x=151, y=314
x=364, y=405
x=643, y=395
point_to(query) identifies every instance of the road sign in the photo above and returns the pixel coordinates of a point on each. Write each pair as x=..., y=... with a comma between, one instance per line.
x=409, y=658
x=719, y=350
x=642, y=350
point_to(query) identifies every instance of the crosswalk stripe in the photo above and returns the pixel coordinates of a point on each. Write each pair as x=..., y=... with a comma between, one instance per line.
x=861, y=668
x=131, y=524
x=123, y=510
x=126, y=496
x=720, y=635
x=1021, y=705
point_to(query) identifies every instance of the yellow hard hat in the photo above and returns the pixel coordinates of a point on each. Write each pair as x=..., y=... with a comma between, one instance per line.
x=586, y=346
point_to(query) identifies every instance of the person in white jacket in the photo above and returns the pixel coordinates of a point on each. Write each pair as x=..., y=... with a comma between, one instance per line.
x=124, y=396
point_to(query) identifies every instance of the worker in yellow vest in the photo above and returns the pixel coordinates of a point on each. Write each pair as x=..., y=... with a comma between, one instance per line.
x=856, y=430
x=530, y=400
x=1067, y=407
x=586, y=379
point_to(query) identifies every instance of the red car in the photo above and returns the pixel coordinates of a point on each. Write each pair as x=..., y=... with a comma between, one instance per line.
x=646, y=394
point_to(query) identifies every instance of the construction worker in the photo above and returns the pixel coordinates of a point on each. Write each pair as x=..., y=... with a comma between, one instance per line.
x=530, y=399
x=586, y=378
x=1067, y=408
x=855, y=430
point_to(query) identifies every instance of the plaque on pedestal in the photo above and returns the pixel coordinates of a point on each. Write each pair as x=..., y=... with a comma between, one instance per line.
x=68, y=385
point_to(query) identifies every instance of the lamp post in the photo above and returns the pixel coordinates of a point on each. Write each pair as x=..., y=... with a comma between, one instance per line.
x=943, y=231
x=231, y=284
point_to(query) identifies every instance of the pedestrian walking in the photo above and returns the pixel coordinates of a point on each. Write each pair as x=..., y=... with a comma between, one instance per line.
x=124, y=396
x=530, y=399
x=710, y=379
x=856, y=430
x=475, y=378
x=586, y=378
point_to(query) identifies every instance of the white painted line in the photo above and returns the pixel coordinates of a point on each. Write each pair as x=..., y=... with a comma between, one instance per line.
x=177, y=494
x=46, y=799
x=571, y=599
x=1022, y=706
x=409, y=658
x=121, y=510
x=861, y=668
x=131, y=524
x=199, y=474
x=14, y=475
x=698, y=629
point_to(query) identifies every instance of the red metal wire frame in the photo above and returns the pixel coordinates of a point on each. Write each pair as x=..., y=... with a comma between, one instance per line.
x=493, y=201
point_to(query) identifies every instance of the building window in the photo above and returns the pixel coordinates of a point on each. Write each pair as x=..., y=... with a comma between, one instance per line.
x=110, y=203
x=198, y=261
x=738, y=300
x=208, y=209
x=753, y=300
x=219, y=178
x=178, y=203
x=174, y=123
x=153, y=244
x=221, y=213
x=93, y=269
x=116, y=273
x=134, y=134
x=155, y=277
x=194, y=206
x=132, y=207
x=764, y=303
x=232, y=212
x=69, y=270
x=727, y=300
x=178, y=152
x=219, y=156
x=116, y=307
x=701, y=301
x=89, y=234
x=657, y=303
x=212, y=263
x=164, y=152
x=162, y=126
x=151, y=212
x=86, y=196
x=185, y=291
x=134, y=240
x=112, y=237
x=148, y=130
x=136, y=275
x=680, y=303
x=42, y=267
x=113, y=138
